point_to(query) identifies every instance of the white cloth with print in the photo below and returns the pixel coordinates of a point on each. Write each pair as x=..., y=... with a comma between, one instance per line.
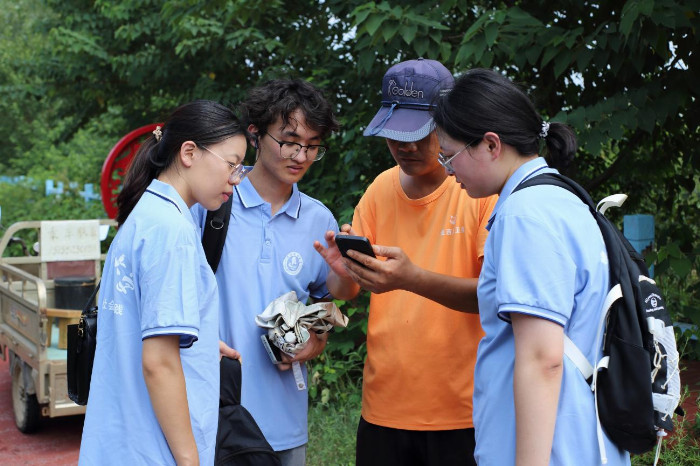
x=289, y=321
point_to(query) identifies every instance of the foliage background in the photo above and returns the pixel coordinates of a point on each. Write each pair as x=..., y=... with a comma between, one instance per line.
x=76, y=75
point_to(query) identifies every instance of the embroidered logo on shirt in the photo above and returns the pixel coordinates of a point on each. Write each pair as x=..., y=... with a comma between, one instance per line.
x=293, y=263
x=117, y=308
x=126, y=282
x=453, y=230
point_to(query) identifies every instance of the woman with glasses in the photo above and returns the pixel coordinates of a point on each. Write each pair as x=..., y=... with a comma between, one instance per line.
x=545, y=274
x=154, y=392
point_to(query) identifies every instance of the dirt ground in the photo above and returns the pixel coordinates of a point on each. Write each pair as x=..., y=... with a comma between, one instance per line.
x=57, y=441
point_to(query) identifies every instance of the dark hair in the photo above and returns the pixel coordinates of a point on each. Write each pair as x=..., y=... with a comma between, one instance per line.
x=483, y=100
x=280, y=98
x=203, y=122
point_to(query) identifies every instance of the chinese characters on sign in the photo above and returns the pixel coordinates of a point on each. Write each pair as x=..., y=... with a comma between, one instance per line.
x=70, y=240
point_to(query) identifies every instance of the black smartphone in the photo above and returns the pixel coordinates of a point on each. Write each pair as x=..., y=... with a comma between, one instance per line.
x=274, y=352
x=357, y=243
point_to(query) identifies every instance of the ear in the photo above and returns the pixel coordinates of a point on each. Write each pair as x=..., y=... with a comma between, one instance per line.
x=187, y=153
x=255, y=135
x=493, y=144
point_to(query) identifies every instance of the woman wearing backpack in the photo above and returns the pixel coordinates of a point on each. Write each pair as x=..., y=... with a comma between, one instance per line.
x=154, y=393
x=545, y=274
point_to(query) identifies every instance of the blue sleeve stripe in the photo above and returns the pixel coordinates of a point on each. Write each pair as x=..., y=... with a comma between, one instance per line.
x=162, y=331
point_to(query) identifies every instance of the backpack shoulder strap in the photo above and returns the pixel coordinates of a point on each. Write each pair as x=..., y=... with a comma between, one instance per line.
x=557, y=179
x=214, y=234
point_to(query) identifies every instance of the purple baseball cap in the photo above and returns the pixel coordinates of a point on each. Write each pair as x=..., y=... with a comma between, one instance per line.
x=409, y=90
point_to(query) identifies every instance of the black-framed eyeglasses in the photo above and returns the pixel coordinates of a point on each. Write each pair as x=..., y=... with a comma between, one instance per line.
x=237, y=171
x=447, y=161
x=289, y=150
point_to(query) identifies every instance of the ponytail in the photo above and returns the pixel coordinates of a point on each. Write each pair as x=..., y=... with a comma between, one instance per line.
x=203, y=122
x=483, y=100
x=139, y=175
x=560, y=145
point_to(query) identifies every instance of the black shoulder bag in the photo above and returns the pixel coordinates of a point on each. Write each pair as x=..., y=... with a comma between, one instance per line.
x=214, y=234
x=82, y=340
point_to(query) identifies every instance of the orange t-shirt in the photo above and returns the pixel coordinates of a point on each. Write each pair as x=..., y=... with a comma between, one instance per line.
x=420, y=355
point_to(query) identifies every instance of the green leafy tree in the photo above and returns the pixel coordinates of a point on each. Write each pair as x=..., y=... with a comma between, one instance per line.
x=21, y=95
x=623, y=74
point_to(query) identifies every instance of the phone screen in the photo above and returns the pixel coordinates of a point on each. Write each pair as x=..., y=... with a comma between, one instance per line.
x=274, y=352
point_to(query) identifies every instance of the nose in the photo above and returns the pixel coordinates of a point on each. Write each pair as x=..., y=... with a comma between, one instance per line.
x=296, y=157
x=408, y=146
x=237, y=176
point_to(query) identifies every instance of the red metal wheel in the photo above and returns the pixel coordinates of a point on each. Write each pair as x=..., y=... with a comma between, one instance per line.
x=116, y=164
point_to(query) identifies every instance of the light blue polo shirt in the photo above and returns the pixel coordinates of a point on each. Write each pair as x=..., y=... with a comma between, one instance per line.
x=156, y=281
x=544, y=257
x=265, y=257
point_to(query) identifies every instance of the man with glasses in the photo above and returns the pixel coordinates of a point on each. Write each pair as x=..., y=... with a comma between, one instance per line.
x=418, y=376
x=269, y=252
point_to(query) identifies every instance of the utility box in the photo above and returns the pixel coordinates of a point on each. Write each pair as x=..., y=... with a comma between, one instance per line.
x=639, y=231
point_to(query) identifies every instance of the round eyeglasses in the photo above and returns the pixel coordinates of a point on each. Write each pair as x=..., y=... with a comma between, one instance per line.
x=289, y=150
x=237, y=171
x=447, y=161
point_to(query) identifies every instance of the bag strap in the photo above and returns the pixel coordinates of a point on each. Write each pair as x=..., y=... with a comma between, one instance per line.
x=557, y=179
x=572, y=351
x=214, y=235
x=89, y=306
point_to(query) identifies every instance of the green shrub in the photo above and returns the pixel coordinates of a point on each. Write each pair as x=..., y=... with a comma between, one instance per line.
x=336, y=375
x=332, y=430
x=682, y=448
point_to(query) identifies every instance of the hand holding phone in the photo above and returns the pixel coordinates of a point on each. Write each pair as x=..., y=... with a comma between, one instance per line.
x=356, y=243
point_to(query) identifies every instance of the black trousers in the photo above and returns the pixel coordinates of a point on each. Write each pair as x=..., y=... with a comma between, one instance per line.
x=384, y=446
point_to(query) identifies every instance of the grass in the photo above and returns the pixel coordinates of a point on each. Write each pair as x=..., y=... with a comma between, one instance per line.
x=332, y=430
x=683, y=446
x=684, y=451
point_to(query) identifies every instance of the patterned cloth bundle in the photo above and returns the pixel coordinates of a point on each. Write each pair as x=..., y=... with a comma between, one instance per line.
x=289, y=321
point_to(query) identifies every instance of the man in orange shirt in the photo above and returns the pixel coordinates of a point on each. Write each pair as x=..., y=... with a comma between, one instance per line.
x=418, y=377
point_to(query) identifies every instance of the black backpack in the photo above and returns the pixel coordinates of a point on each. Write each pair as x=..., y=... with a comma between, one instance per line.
x=636, y=382
x=239, y=440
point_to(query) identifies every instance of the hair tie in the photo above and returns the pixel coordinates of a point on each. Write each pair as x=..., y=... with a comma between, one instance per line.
x=157, y=133
x=545, y=130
